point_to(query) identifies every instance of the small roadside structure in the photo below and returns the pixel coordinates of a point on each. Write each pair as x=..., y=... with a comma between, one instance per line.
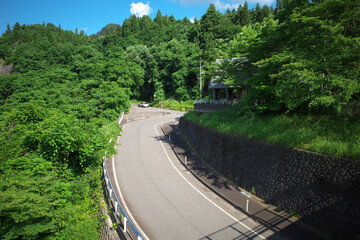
x=218, y=88
x=223, y=94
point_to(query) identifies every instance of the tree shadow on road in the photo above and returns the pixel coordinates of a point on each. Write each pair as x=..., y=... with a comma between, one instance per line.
x=282, y=226
x=187, y=156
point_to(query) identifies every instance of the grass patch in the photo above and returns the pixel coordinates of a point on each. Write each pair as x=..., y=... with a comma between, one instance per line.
x=336, y=136
x=172, y=104
x=136, y=101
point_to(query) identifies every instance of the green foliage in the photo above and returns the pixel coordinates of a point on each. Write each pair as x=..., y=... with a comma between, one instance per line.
x=110, y=96
x=210, y=19
x=127, y=74
x=253, y=191
x=307, y=63
x=57, y=115
x=176, y=105
x=41, y=201
x=159, y=94
x=66, y=140
x=26, y=212
x=139, y=54
x=59, y=110
x=178, y=61
x=108, y=30
x=243, y=15
x=37, y=47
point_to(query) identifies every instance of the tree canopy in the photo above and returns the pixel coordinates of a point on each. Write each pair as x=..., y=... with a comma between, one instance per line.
x=58, y=108
x=303, y=60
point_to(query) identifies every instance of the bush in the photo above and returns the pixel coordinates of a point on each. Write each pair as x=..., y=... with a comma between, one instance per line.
x=175, y=105
x=41, y=200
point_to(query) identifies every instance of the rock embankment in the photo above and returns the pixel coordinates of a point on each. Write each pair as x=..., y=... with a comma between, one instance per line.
x=323, y=191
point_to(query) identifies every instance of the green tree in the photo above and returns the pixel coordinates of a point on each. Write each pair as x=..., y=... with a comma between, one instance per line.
x=319, y=62
x=210, y=19
x=243, y=15
x=284, y=8
x=57, y=114
x=65, y=140
x=159, y=18
x=258, y=13
x=139, y=54
x=177, y=62
x=303, y=64
x=29, y=199
x=8, y=29
x=266, y=11
x=159, y=94
x=110, y=95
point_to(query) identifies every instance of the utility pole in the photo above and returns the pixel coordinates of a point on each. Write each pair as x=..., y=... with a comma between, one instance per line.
x=200, y=79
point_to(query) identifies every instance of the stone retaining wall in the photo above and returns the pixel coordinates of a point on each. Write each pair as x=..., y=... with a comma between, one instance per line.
x=323, y=191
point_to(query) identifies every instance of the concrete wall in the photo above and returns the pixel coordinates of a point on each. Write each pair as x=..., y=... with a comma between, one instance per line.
x=322, y=190
x=210, y=107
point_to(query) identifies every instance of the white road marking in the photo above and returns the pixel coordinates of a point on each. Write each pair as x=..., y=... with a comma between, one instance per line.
x=123, y=200
x=229, y=215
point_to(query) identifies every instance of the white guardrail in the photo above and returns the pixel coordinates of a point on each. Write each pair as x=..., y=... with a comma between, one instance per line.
x=118, y=211
x=214, y=102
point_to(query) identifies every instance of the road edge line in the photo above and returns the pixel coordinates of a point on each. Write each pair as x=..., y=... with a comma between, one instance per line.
x=123, y=200
x=197, y=190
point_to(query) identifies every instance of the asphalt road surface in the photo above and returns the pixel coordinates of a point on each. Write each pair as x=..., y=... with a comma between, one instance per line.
x=165, y=200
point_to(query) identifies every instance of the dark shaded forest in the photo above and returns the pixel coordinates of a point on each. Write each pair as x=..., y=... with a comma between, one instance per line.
x=59, y=106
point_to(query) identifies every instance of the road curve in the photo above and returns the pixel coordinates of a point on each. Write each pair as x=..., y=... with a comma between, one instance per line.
x=164, y=199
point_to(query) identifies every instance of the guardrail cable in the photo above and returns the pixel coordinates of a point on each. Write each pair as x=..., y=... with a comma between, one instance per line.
x=116, y=204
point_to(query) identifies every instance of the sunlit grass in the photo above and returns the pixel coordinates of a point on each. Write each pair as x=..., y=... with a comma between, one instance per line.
x=337, y=136
x=135, y=101
x=176, y=105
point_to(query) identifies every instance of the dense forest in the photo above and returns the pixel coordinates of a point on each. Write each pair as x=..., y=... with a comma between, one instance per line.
x=59, y=106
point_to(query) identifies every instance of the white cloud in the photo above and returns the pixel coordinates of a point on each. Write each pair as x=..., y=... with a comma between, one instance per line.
x=140, y=9
x=221, y=5
x=225, y=4
x=84, y=29
x=192, y=19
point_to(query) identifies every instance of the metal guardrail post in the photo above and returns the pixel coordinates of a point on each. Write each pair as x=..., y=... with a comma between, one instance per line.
x=122, y=116
x=117, y=205
x=125, y=224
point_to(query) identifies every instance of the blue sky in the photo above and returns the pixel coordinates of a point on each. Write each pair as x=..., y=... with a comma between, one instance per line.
x=91, y=16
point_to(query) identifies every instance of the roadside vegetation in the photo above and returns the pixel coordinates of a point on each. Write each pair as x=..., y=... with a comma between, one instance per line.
x=336, y=136
x=172, y=104
x=301, y=69
x=59, y=105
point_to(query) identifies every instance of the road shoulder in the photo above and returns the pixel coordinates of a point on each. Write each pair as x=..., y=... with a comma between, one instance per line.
x=262, y=213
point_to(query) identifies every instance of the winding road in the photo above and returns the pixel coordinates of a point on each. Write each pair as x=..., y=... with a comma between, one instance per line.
x=163, y=199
